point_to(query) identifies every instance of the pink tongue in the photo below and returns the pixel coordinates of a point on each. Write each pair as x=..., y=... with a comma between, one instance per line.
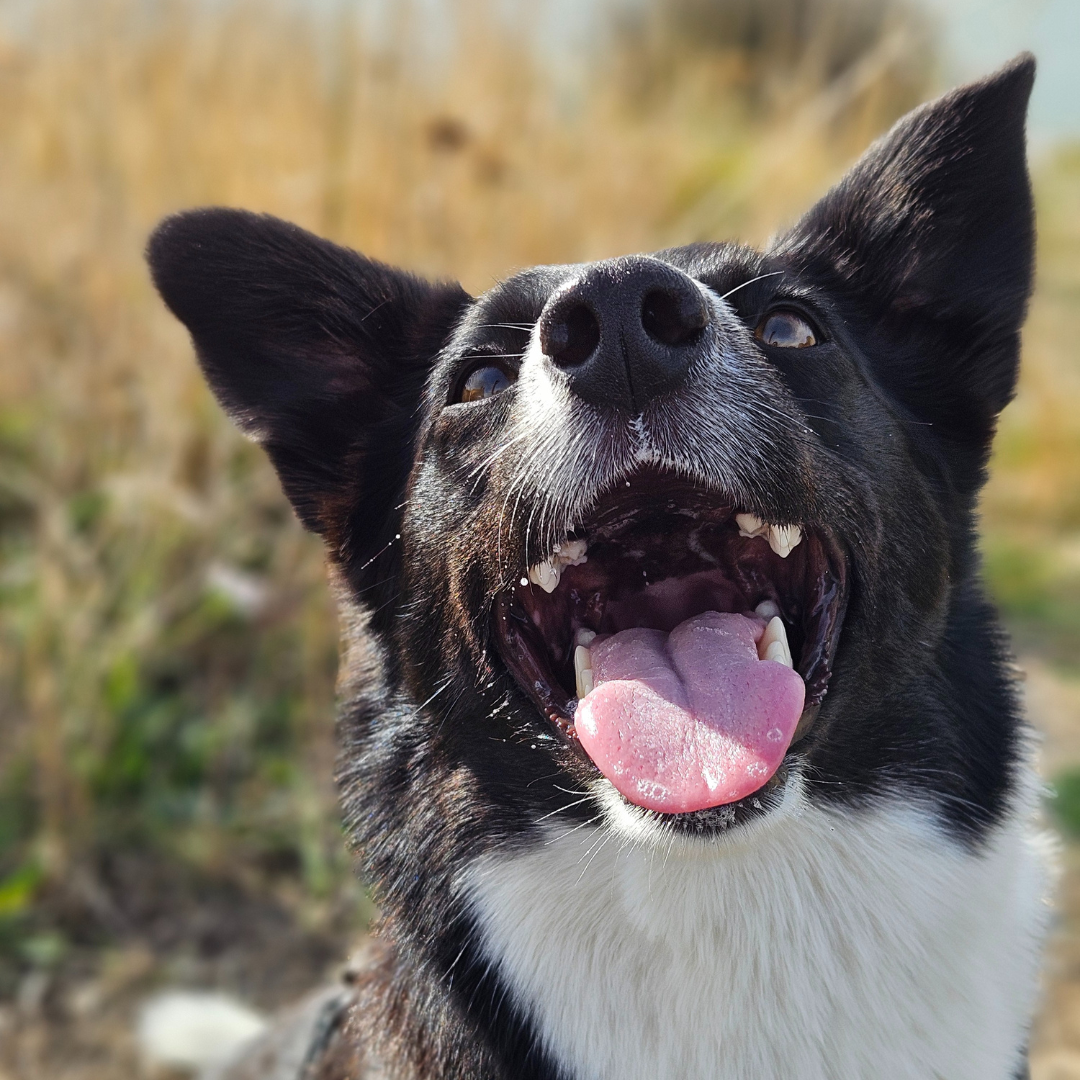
x=690, y=719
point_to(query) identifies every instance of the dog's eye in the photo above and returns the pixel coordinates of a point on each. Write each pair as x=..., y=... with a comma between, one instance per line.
x=484, y=382
x=785, y=330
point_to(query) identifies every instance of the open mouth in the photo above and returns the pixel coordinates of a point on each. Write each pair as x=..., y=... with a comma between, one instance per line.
x=680, y=643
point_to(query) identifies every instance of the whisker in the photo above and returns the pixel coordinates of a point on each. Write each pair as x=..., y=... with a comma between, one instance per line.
x=568, y=806
x=549, y=776
x=564, y=835
x=446, y=683
x=607, y=837
x=760, y=277
x=381, y=550
x=502, y=450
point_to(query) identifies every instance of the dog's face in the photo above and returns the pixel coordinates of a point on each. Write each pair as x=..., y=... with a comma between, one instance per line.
x=674, y=534
x=597, y=444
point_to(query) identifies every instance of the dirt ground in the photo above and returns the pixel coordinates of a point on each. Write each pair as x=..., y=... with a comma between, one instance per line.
x=79, y=1022
x=80, y=1025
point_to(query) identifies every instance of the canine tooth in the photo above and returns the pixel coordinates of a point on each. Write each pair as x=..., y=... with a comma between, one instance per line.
x=584, y=637
x=583, y=670
x=777, y=652
x=546, y=574
x=767, y=609
x=784, y=539
x=774, y=643
x=750, y=525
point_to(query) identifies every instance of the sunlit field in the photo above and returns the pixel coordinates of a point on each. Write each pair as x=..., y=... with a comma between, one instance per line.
x=167, y=644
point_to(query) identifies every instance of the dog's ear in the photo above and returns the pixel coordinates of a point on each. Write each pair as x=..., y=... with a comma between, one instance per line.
x=928, y=241
x=316, y=352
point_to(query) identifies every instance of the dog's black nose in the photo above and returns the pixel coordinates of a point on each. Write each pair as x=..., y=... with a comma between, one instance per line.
x=625, y=330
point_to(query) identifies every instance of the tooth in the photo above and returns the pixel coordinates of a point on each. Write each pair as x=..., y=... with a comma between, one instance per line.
x=572, y=553
x=584, y=637
x=767, y=609
x=546, y=574
x=750, y=525
x=784, y=539
x=583, y=670
x=774, y=643
x=777, y=652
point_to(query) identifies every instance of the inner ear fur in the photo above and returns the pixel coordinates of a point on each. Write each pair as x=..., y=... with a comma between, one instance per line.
x=929, y=242
x=315, y=351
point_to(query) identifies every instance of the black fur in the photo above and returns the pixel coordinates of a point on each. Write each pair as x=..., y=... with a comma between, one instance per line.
x=916, y=269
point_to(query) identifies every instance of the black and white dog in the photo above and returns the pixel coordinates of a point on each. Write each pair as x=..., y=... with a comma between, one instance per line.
x=678, y=737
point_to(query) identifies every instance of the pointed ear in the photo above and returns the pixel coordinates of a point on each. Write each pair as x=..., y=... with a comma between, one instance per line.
x=316, y=352
x=928, y=243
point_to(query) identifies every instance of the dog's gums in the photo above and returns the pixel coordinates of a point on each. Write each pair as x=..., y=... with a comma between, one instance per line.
x=655, y=554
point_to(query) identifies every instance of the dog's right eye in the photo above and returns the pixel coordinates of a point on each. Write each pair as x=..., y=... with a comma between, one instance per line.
x=785, y=329
x=484, y=381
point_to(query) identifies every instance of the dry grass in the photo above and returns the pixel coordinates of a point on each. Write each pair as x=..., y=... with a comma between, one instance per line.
x=1032, y=503
x=166, y=643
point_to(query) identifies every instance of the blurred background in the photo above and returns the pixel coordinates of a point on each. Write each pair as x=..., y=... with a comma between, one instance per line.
x=167, y=645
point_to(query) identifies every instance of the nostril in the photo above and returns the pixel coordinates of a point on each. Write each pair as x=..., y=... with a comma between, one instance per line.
x=673, y=318
x=571, y=337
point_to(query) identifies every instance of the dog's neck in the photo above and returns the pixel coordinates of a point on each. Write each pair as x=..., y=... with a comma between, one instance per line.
x=854, y=943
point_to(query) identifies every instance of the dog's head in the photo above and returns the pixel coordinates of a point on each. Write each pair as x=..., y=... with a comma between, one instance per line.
x=753, y=475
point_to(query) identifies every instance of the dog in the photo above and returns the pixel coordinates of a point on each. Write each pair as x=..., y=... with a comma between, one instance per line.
x=679, y=738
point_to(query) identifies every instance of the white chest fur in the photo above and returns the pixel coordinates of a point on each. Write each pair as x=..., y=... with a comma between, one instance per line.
x=823, y=945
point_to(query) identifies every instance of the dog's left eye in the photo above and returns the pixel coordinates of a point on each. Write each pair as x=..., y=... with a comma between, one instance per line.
x=484, y=382
x=785, y=330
